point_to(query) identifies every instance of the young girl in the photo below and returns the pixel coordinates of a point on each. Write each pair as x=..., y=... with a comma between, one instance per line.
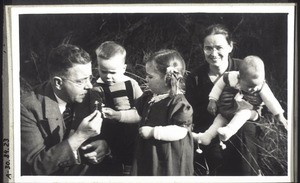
x=252, y=92
x=165, y=143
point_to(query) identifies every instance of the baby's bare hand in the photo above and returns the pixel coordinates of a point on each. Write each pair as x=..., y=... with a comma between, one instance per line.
x=282, y=119
x=107, y=112
x=111, y=114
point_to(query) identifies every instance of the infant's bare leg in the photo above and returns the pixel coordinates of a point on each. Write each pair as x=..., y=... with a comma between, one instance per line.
x=236, y=123
x=206, y=137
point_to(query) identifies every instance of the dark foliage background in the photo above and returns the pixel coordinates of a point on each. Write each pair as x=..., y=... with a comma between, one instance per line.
x=264, y=35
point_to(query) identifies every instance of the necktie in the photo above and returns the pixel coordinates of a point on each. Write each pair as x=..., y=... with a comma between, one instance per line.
x=68, y=118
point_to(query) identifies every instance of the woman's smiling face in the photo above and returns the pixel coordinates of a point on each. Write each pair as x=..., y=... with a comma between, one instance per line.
x=216, y=49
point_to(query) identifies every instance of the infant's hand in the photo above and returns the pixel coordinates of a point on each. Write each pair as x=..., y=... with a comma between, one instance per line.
x=212, y=107
x=146, y=132
x=285, y=123
x=282, y=119
x=111, y=114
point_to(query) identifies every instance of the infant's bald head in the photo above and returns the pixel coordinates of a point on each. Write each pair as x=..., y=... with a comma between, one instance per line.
x=252, y=67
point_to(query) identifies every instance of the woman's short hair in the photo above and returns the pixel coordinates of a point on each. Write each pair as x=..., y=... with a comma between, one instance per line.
x=218, y=29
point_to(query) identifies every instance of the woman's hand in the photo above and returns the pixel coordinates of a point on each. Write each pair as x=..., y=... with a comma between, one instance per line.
x=146, y=132
x=212, y=107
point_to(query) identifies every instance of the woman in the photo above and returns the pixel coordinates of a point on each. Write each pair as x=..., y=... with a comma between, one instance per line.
x=235, y=159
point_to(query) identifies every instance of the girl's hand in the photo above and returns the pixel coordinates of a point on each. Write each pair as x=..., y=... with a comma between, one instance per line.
x=111, y=114
x=212, y=107
x=196, y=137
x=146, y=132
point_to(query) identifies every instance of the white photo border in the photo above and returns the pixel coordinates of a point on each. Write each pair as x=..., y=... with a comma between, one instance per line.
x=12, y=128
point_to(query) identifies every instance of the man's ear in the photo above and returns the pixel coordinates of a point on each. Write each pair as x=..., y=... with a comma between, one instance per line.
x=231, y=47
x=57, y=82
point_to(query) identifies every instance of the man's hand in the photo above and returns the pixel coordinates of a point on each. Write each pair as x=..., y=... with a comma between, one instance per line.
x=111, y=114
x=146, y=132
x=97, y=151
x=89, y=127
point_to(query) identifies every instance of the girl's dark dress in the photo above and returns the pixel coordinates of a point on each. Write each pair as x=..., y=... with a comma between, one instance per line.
x=158, y=157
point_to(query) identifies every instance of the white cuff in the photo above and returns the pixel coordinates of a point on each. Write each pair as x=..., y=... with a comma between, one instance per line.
x=157, y=132
x=130, y=116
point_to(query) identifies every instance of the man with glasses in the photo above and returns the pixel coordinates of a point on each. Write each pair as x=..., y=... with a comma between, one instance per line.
x=57, y=118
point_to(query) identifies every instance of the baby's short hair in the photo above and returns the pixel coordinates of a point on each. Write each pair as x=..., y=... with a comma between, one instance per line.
x=252, y=67
x=110, y=49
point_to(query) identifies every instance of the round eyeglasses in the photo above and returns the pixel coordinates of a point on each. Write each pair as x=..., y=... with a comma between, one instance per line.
x=211, y=49
x=80, y=82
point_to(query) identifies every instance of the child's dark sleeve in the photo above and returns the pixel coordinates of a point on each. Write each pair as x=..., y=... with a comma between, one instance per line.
x=181, y=112
x=140, y=103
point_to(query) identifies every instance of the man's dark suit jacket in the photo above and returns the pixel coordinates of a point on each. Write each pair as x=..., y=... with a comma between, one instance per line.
x=43, y=149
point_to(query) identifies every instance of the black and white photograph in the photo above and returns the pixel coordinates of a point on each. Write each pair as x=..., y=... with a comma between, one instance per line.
x=202, y=93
